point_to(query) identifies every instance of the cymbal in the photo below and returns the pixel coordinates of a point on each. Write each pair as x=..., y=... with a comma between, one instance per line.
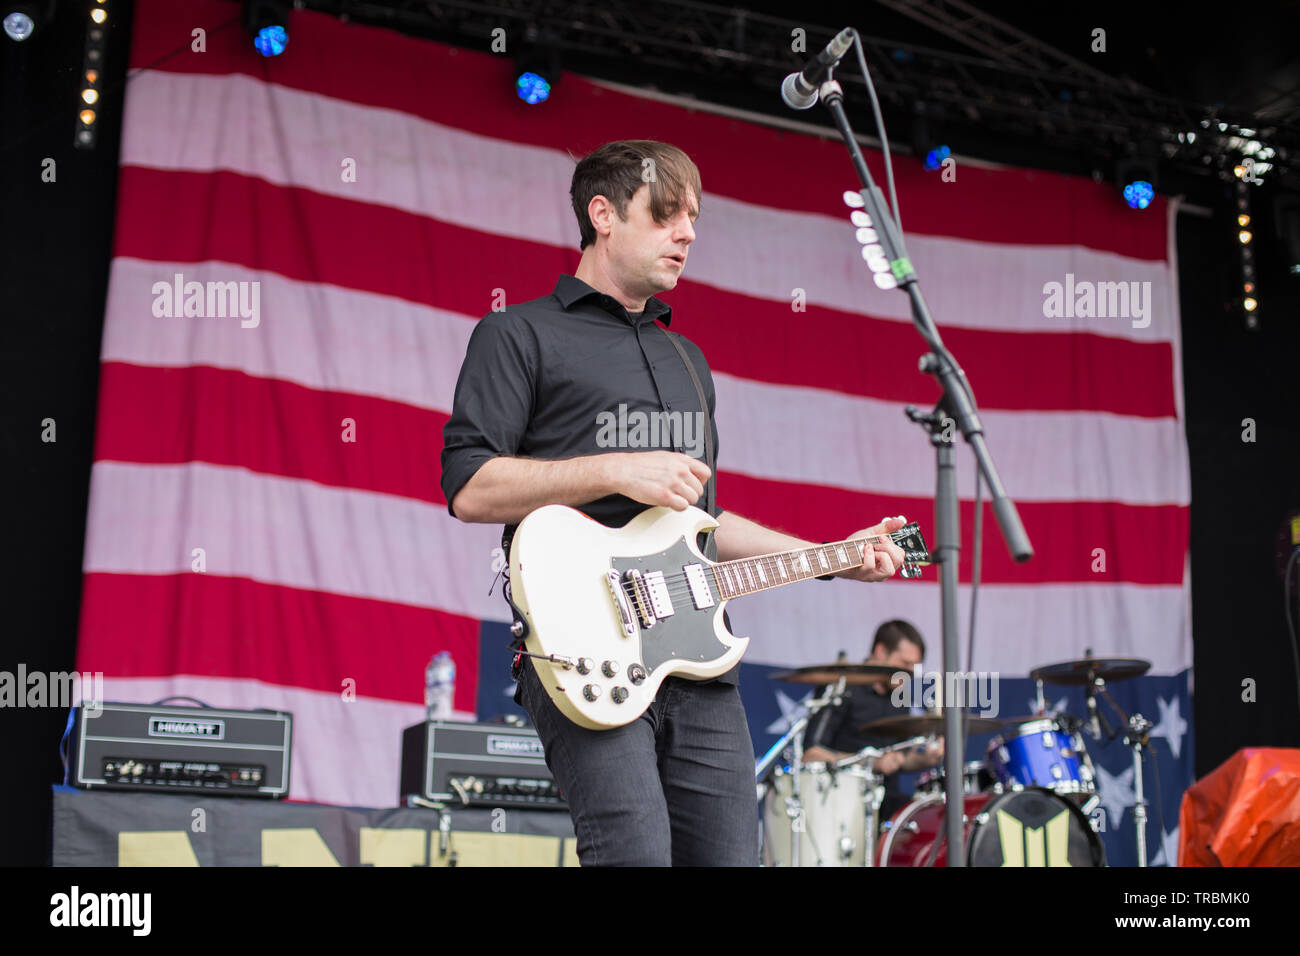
x=1083, y=671
x=924, y=725
x=853, y=674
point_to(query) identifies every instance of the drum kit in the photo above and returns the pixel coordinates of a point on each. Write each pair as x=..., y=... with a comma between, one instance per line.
x=1028, y=803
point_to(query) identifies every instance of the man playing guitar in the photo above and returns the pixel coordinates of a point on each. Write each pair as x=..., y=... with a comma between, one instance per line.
x=676, y=785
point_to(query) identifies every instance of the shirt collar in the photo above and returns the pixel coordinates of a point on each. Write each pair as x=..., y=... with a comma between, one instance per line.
x=570, y=289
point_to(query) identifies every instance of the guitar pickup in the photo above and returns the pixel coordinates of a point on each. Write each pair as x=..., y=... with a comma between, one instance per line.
x=661, y=602
x=699, y=586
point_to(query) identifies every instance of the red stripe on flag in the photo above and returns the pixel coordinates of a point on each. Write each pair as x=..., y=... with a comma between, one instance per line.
x=741, y=335
x=152, y=415
x=1138, y=544
x=158, y=625
x=375, y=67
x=173, y=415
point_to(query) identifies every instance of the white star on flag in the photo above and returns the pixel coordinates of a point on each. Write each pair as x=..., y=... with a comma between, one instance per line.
x=791, y=711
x=1116, y=792
x=1171, y=725
x=1167, y=854
x=1033, y=706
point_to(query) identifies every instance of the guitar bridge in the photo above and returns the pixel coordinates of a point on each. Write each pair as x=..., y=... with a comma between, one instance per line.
x=641, y=597
x=628, y=623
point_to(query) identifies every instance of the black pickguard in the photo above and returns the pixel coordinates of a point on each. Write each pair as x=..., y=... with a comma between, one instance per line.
x=687, y=633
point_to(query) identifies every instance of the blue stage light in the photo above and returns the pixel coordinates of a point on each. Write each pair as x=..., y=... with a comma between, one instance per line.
x=271, y=41
x=1139, y=193
x=935, y=157
x=532, y=89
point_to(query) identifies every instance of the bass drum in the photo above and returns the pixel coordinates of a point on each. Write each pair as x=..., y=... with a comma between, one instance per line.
x=1031, y=827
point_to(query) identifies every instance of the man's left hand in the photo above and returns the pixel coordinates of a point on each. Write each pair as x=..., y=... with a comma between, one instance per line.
x=882, y=559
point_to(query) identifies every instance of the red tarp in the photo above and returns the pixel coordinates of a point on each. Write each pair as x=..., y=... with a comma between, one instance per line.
x=1245, y=813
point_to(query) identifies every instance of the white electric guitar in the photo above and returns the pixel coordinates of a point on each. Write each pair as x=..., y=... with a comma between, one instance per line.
x=609, y=613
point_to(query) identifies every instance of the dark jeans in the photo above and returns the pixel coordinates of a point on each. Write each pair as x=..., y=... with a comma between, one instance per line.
x=674, y=787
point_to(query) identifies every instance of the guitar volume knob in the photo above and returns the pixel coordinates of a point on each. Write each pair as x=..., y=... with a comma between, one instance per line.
x=609, y=668
x=585, y=665
x=591, y=692
x=618, y=694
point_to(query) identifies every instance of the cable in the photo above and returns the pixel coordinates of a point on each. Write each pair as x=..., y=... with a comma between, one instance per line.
x=1290, y=625
x=978, y=543
x=884, y=139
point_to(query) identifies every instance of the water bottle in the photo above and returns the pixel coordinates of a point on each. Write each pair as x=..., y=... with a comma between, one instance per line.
x=440, y=686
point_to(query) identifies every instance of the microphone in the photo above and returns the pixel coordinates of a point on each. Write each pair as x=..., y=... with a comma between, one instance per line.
x=799, y=90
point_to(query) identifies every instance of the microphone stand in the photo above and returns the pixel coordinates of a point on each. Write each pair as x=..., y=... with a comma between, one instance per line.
x=957, y=403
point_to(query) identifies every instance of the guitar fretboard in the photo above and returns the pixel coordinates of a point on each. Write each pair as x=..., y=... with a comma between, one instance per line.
x=747, y=575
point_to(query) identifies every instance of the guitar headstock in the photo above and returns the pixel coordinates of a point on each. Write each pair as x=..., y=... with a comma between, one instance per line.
x=916, y=553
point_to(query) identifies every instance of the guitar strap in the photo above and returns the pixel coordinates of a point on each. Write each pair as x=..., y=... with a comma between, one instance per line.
x=710, y=487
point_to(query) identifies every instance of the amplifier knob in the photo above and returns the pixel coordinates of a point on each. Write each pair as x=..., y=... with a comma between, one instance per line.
x=591, y=692
x=610, y=668
x=636, y=674
x=619, y=694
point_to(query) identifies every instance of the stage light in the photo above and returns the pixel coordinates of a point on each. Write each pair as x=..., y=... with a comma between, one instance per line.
x=1243, y=220
x=1244, y=236
x=935, y=157
x=1136, y=177
x=925, y=146
x=1139, y=193
x=267, y=22
x=537, y=66
x=271, y=41
x=24, y=19
x=532, y=89
x=96, y=43
x=1249, y=304
x=19, y=26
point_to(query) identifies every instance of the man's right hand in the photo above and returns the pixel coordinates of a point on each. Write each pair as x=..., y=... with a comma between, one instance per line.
x=661, y=478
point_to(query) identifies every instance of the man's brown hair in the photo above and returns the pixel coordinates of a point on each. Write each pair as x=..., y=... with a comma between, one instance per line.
x=892, y=633
x=617, y=170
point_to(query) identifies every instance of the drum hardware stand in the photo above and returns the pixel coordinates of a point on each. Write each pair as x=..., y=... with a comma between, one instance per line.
x=832, y=696
x=1137, y=735
x=875, y=793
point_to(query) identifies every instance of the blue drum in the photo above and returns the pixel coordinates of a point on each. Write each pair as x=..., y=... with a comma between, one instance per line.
x=1042, y=753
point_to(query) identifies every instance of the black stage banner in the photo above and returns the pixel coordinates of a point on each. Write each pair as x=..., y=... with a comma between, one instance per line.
x=101, y=828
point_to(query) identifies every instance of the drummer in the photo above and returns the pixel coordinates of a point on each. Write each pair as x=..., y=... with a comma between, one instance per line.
x=833, y=734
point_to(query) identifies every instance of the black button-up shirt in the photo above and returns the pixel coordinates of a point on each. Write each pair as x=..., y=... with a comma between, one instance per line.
x=569, y=375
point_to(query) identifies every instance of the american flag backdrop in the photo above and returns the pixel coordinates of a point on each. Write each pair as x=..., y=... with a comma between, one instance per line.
x=266, y=527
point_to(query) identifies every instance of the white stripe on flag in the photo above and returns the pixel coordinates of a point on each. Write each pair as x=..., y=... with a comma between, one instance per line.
x=412, y=353
x=300, y=534
x=294, y=138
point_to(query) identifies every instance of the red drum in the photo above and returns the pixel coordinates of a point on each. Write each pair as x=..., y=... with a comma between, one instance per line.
x=1031, y=827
